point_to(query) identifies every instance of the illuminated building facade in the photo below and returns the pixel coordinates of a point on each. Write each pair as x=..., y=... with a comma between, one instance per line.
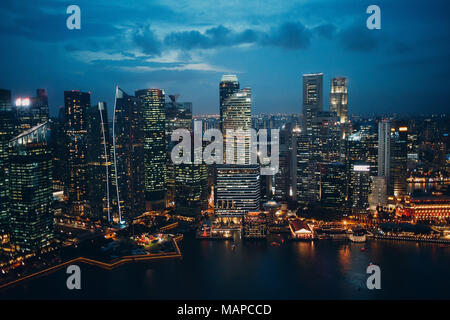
x=178, y=116
x=312, y=98
x=285, y=181
x=127, y=155
x=237, y=190
x=190, y=188
x=360, y=160
x=236, y=115
x=281, y=180
x=229, y=85
x=300, y=230
x=384, y=148
x=30, y=185
x=369, y=137
x=254, y=225
x=399, y=158
x=325, y=138
x=426, y=206
x=378, y=192
x=6, y=133
x=325, y=148
x=392, y=155
x=333, y=179
x=359, y=187
x=58, y=146
x=31, y=111
x=99, y=162
x=76, y=105
x=302, y=169
x=339, y=98
x=151, y=103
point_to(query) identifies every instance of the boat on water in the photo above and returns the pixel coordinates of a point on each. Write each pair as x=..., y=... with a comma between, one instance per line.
x=357, y=236
x=275, y=243
x=363, y=249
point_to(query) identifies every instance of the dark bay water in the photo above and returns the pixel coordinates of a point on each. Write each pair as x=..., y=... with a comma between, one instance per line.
x=257, y=270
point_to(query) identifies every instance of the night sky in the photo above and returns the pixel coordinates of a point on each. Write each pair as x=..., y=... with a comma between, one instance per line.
x=184, y=46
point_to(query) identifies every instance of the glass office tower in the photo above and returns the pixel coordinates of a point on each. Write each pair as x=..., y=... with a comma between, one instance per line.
x=312, y=98
x=237, y=190
x=30, y=185
x=6, y=133
x=392, y=155
x=76, y=106
x=151, y=102
x=128, y=158
x=229, y=84
x=236, y=115
x=339, y=98
x=99, y=162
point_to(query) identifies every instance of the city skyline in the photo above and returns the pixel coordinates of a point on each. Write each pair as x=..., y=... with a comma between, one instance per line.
x=313, y=142
x=148, y=47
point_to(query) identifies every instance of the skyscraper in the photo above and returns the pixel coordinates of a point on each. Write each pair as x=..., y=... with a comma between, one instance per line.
x=31, y=111
x=384, y=148
x=128, y=158
x=399, y=158
x=392, y=155
x=332, y=179
x=282, y=184
x=190, y=186
x=76, y=105
x=151, y=102
x=229, y=84
x=58, y=146
x=238, y=183
x=359, y=187
x=237, y=190
x=6, y=133
x=98, y=162
x=378, y=192
x=312, y=98
x=30, y=184
x=339, y=98
x=187, y=182
x=41, y=103
x=236, y=115
x=178, y=116
x=369, y=137
x=325, y=148
x=302, y=169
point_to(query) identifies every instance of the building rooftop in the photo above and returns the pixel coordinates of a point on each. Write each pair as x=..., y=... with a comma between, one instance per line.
x=297, y=225
x=229, y=78
x=35, y=134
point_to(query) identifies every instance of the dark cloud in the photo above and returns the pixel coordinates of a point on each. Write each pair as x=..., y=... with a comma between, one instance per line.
x=360, y=38
x=35, y=22
x=219, y=36
x=45, y=20
x=326, y=31
x=146, y=39
x=288, y=35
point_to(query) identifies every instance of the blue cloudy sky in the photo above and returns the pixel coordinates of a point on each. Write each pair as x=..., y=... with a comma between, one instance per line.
x=184, y=46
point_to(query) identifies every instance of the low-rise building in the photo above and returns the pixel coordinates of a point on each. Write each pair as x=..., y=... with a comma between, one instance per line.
x=426, y=206
x=300, y=230
x=254, y=225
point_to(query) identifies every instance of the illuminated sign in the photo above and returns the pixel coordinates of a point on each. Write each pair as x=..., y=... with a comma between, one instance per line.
x=361, y=167
x=403, y=129
x=22, y=102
